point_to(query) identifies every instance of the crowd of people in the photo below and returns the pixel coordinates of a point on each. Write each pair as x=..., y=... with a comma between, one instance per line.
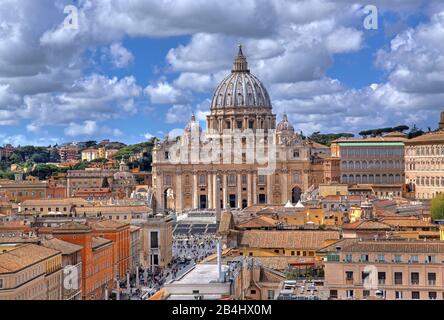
x=188, y=249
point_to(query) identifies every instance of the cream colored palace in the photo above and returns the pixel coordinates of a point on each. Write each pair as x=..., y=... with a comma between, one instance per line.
x=240, y=103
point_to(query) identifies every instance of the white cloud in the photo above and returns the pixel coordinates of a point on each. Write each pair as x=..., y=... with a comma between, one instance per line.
x=178, y=114
x=120, y=56
x=165, y=93
x=90, y=129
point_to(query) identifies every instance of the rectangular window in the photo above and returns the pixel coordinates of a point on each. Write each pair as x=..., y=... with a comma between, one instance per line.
x=364, y=257
x=398, y=295
x=270, y=294
x=155, y=259
x=432, y=295
x=295, y=153
x=381, y=258
x=397, y=258
x=381, y=277
x=1, y=283
x=349, y=294
x=168, y=180
x=398, y=277
x=431, y=277
x=154, y=237
x=333, y=294
x=231, y=180
x=414, y=259
x=261, y=179
x=414, y=278
x=415, y=295
x=430, y=259
x=349, y=275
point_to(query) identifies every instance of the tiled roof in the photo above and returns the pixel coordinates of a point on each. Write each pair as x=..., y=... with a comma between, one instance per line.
x=114, y=208
x=108, y=224
x=410, y=223
x=259, y=222
x=366, y=225
x=286, y=239
x=401, y=246
x=72, y=225
x=41, y=202
x=60, y=245
x=24, y=256
x=99, y=241
x=437, y=136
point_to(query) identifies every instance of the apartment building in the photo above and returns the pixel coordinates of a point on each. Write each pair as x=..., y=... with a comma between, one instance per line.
x=30, y=272
x=388, y=269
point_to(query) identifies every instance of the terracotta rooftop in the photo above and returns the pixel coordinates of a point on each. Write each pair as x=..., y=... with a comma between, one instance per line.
x=258, y=222
x=108, y=224
x=396, y=245
x=72, y=225
x=300, y=239
x=24, y=256
x=63, y=246
x=53, y=202
x=436, y=137
x=98, y=242
x=410, y=223
x=366, y=225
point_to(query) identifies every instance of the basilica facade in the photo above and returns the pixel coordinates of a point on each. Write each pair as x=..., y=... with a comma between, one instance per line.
x=240, y=129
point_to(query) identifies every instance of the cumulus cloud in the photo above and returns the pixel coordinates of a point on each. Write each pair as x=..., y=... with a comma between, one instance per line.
x=178, y=114
x=90, y=129
x=120, y=56
x=46, y=77
x=165, y=93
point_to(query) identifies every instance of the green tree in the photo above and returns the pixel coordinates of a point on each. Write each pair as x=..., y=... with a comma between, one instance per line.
x=437, y=207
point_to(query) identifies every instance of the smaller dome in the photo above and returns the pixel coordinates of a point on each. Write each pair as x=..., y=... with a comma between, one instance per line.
x=284, y=125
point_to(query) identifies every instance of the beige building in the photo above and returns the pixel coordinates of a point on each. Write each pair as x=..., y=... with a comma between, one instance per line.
x=374, y=161
x=31, y=272
x=90, y=154
x=156, y=242
x=388, y=269
x=240, y=107
x=121, y=182
x=424, y=164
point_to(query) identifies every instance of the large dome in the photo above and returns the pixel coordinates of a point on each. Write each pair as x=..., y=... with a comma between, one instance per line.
x=240, y=88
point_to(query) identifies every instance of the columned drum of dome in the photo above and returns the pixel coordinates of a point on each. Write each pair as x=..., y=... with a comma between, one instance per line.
x=241, y=101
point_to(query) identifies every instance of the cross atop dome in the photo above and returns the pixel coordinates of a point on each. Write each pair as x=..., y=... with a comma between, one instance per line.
x=240, y=62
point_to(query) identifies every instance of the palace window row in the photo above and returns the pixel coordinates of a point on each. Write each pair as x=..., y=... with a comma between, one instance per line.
x=377, y=164
x=377, y=179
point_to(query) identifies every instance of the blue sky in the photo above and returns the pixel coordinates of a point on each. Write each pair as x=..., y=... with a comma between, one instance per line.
x=132, y=70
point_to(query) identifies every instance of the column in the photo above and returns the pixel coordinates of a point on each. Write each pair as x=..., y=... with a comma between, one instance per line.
x=254, y=188
x=217, y=197
x=224, y=189
x=284, y=187
x=249, y=190
x=239, y=191
x=209, y=191
x=195, y=199
x=269, y=189
x=215, y=191
x=179, y=192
